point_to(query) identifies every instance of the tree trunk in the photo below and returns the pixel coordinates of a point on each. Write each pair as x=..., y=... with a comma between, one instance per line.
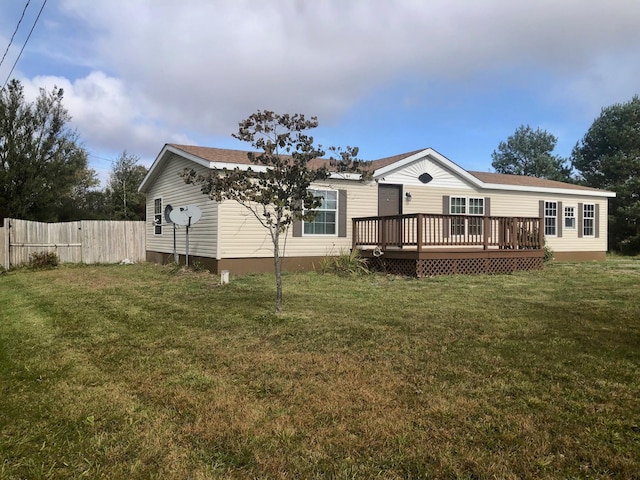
x=278, y=269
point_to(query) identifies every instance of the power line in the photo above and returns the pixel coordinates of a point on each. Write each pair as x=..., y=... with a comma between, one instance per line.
x=101, y=158
x=15, y=31
x=25, y=43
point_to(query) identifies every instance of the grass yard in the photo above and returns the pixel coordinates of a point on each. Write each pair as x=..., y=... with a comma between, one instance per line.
x=139, y=372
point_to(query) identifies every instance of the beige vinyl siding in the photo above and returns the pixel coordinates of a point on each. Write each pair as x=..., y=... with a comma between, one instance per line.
x=524, y=204
x=427, y=199
x=173, y=191
x=241, y=235
x=527, y=204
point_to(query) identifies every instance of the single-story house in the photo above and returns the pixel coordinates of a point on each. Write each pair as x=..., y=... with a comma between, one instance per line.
x=418, y=207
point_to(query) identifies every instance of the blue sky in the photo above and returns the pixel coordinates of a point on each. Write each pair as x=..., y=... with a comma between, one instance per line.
x=389, y=76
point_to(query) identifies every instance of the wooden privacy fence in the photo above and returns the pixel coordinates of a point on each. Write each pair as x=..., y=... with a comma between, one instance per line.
x=84, y=241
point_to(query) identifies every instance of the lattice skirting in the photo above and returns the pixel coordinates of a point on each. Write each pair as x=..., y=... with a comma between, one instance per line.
x=452, y=266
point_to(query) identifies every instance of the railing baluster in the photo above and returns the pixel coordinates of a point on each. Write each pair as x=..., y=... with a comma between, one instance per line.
x=423, y=230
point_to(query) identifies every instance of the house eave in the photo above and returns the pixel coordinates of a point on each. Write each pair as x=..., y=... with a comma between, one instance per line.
x=435, y=156
x=551, y=191
x=476, y=182
x=378, y=175
x=160, y=159
x=167, y=150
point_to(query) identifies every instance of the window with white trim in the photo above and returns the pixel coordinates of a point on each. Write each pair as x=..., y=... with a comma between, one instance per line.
x=325, y=221
x=466, y=206
x=588, y=220
x=551, y=218
x=157, y=216
x=570, y=218
x=458, y=205
x=476, y=206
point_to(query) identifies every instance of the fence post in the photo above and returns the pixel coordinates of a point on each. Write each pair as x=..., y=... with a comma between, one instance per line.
x=5, y=253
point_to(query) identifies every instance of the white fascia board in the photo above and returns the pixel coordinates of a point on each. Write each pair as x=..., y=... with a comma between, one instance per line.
x=168, y=149
x=552, y=191
x=263, y=168
x=345, y=176
x=160, y=160
x=151, y=173
x=399, y=164
x=232, y=166
x=438, y=158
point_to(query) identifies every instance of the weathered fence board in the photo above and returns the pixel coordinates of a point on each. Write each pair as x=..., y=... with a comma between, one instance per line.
x=4, y=245
x=85, y=241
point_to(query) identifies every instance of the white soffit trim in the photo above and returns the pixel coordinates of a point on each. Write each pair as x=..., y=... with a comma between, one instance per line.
x=345, y=176
x=162, y=158
x=232, y=166
x=151, y=174
x=262, y=168
x=559, y=191
x=168, y=149
x=435, y=156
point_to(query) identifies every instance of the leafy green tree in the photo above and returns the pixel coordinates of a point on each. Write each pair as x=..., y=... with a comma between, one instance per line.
x=609, y=157
x=276, y=189
x=85, y=201
x=529, y=152
x=43, y=167
x=125, y=202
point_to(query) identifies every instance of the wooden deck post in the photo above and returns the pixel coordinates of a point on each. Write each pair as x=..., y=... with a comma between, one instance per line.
x=514, y=233
x=541, y=233
x=419, y=218
x=354, y=234
x=486, y=232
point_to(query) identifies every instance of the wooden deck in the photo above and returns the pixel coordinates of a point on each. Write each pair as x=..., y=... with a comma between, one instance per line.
x=425, y=245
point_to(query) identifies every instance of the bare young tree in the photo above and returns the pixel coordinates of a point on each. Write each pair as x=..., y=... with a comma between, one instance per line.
x=275, y=189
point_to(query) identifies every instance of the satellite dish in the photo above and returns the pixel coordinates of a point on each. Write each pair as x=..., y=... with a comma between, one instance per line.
x=167, y=211
x=185, y=215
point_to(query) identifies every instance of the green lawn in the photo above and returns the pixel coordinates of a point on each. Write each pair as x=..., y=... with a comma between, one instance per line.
x=143, y=372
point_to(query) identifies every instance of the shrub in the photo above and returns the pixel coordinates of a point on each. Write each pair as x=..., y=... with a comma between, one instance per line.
x=548, y=253
x=43, y=260
x=347, y=263
x=630, y=246
x=197, y=266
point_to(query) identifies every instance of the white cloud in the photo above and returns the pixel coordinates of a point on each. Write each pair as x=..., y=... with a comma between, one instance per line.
x=106, y=116
x=200, y=56
x=167, y=71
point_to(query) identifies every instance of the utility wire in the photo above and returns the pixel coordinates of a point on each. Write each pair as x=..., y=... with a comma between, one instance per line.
x=15, y=31
x=25, y=44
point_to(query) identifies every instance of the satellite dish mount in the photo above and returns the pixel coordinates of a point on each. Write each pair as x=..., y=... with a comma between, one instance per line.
x=187, y=216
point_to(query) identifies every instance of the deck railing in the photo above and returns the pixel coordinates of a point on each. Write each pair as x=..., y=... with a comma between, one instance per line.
x=423, y=230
